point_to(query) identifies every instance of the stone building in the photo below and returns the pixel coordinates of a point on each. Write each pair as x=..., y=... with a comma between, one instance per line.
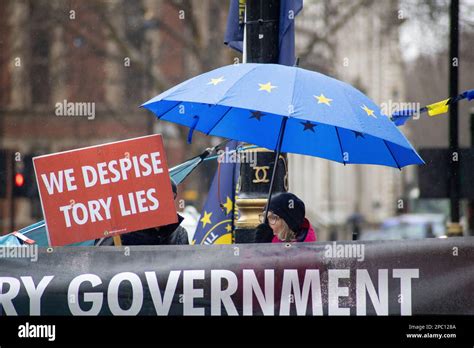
x=110, y=56
x=359, y=44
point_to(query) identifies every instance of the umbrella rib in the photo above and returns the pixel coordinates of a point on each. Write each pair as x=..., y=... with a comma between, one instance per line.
x=340, y=145
x=163, y=114
x=293, y=92
x=391, y=153
x=220, y=119
x=354, y=109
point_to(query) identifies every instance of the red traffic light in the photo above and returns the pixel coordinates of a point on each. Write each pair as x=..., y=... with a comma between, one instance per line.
x=19, y=180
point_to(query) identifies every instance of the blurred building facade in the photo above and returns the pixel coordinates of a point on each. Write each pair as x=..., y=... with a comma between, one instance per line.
x=111, y=55
x=361, y=46
x=117, y=54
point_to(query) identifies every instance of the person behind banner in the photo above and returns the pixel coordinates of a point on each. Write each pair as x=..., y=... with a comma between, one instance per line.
x=286, y=221
x=172, y=234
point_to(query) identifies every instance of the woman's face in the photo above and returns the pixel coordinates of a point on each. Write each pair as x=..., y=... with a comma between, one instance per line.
x=275, y=222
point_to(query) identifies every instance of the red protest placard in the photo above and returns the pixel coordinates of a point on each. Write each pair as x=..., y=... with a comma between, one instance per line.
x=105, y=190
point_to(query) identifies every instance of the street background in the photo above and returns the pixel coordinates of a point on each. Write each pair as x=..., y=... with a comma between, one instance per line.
x=114, y=55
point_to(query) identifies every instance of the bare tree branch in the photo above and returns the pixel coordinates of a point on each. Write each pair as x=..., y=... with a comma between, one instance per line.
x=333, y=27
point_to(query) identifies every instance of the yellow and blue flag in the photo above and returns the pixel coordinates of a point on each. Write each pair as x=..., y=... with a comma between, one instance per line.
x=216, y=222
x=438, y=108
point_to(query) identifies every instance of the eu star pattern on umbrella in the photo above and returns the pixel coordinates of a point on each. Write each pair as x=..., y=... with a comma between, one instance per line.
x=327, y=118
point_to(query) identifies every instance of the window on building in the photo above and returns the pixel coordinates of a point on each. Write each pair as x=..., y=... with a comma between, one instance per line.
x=137, y=78
x=5, y=82
x=40, y=51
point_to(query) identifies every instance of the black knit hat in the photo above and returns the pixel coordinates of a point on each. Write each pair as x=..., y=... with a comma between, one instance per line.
x=290, y=208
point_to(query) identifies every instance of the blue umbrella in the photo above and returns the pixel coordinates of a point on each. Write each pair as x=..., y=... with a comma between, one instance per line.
x=287, y=109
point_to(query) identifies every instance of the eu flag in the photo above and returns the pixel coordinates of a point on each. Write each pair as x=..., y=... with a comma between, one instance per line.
x=217, y=218
x=234, y=35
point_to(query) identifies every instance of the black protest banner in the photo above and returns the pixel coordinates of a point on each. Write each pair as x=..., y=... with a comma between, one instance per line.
x=424, y=277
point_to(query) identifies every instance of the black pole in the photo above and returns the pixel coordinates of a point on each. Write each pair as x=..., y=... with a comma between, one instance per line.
x=470, y=213
x=262, y=21
x=232, y=222
x=10, y=195
x=261, y=25
x=261, y=45
x=453, y=119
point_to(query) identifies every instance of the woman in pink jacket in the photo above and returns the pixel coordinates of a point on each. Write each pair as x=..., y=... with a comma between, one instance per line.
x=286, y=221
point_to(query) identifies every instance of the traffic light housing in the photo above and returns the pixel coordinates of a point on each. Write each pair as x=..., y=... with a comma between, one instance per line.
x=19, y=180
x=24, y=183
x=19, y=186
x=17, y=173
x=3, y=172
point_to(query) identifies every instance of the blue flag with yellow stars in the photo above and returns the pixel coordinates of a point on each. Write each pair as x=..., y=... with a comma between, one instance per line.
x=217, y=218
x=234, y=35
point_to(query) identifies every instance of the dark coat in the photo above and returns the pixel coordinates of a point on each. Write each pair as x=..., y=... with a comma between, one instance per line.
x=173, y=234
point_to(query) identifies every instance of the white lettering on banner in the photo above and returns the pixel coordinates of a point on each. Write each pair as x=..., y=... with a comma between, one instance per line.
x=405, y=276
x=136, y=200
x=96, y=298
x=6, y=298
x=301, y=296
x=364, y=283
x=97, y=210
x=190, y=293
x=296, y=290
x=162, y=305
x=57, y=182
x=219, y=295
x=104, y=173
x=137, y=294
x=82, y=213
x=335, y=291
x=35, y=293
x=89, y=175
x=251, y=286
